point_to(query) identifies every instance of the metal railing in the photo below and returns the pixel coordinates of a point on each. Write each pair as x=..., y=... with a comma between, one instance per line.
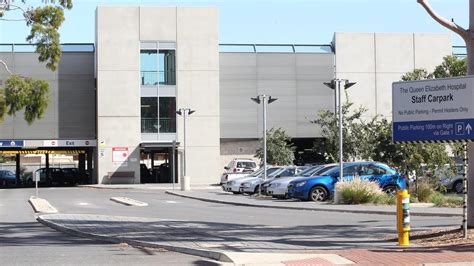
x=161, y=125
x=153, y=78
x=30, y=48
x=460, y=51
x=275, y=48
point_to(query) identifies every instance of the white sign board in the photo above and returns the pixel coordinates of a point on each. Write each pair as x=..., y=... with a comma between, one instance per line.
x=433, y=110
x=119, y=154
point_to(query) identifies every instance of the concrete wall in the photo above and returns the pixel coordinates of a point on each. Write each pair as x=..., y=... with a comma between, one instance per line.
x=375, y=60
x=71, y=109
x=296, y=79
x=195, y=31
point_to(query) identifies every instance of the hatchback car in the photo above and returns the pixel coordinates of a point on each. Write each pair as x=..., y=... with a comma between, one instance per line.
x=234, y=185
x=251, y=186
x=278, y=188
x=7, y=177
x=320, y=188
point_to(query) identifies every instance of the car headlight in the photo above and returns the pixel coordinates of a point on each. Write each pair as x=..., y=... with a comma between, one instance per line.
x=245, y=185
x=300, y=184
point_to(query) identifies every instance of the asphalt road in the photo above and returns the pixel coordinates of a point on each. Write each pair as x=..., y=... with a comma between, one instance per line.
x=330, y=228
x=23, y=241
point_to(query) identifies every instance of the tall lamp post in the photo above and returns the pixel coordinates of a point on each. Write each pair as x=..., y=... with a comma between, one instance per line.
x=184, y=112
x=263, y=98
x=337, y=85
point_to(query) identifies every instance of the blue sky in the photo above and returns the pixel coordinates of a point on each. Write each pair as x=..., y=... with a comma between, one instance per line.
x=276, y=21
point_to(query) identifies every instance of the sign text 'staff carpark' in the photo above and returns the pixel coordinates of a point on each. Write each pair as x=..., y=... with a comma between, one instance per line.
x=433, y=110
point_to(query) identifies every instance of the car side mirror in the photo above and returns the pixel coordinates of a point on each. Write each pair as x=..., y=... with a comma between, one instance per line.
x=277, y=176
x=226, y=168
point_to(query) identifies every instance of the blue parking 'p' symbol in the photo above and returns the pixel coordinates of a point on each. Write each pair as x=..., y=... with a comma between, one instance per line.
x=459, y=127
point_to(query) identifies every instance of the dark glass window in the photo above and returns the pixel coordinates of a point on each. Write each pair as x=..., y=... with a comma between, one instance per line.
x=167, y=67
x=167, y=115
x=149, y=67
x=149, y=106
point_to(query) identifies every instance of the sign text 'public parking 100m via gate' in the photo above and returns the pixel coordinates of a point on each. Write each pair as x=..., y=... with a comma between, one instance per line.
x=433, y=110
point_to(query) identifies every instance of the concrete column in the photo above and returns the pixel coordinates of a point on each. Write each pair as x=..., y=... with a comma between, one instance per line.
x=18, y=169
x=82, y=167
x=90, y=158
x=47, y=166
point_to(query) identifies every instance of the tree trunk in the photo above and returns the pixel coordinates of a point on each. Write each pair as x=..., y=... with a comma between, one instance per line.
x=470, y=149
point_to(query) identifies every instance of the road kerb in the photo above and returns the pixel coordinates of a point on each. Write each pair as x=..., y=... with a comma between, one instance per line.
x=129, y=201
x=41, y=205
x=215, y=255
x=325, y=209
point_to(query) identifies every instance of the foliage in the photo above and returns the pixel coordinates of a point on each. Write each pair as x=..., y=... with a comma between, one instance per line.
x=25, y=93
x=417, y=74
x=352, y=130
x=279, y=148
x=452, y=66
x=425, y=192
x=358, y=191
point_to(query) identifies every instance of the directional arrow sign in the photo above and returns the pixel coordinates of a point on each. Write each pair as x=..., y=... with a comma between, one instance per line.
x=433, y=110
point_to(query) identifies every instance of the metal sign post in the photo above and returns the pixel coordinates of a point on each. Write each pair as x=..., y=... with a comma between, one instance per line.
x=173, y=169
x=36, y=177
x=435, y=110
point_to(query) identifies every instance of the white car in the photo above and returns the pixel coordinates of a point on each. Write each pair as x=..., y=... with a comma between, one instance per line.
x=278, y=188
x=251, y=186
x=238, y=168
x=234, y=185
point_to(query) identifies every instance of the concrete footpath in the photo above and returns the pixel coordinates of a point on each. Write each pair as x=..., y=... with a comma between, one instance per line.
x=219, y=196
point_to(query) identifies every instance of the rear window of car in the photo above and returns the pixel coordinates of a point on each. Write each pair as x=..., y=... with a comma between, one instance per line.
x=246, y=165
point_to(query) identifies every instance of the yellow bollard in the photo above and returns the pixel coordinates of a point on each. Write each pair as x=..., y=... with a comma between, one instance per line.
x=403, y=217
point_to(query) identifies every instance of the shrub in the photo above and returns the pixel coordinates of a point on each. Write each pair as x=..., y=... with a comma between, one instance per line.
x=385, y=199
x=440, y=200
x=425, y=192
x=358, y=191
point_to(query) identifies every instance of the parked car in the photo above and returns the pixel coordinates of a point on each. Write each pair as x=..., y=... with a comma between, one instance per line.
x=56, y=176
x=237, y=168
x=251, y=185
x=454, y=182
x=320, y=188
x=234, y=185
x=278, y=188
x=7, y=177
x=290, y=172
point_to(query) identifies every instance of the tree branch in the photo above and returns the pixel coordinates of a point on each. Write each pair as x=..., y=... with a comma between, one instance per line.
x=6, y=66
x=444, y=22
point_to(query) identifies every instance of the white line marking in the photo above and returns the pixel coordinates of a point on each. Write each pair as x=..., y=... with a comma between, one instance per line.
x=171, y=201
x=83, y=203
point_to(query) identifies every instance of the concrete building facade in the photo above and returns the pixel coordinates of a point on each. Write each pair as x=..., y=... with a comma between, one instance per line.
x=121, y=97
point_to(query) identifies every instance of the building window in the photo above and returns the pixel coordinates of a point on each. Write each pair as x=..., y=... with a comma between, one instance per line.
x=167, y=67
x=167, y=114
x=149, y=67
x=149, y=106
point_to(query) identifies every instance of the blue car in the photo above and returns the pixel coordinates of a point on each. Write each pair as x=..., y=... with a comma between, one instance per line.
x=321, y=187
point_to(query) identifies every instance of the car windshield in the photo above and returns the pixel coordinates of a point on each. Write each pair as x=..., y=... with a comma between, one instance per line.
x=247, y=165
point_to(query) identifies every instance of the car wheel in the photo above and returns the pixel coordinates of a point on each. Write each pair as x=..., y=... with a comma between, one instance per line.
x=235, y=192
x=318, y=193
x=390, y=190
x=255, y=191
x=458, y=187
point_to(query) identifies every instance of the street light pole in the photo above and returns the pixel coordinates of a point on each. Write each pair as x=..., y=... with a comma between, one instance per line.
x=337, y=85
x=183, y=111
x=263, y=98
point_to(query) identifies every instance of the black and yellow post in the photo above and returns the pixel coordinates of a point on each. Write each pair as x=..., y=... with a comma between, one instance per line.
x=403, y=217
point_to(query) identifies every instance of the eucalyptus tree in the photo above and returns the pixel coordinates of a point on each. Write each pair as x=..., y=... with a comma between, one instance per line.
x=468, y=36
x=44, y=20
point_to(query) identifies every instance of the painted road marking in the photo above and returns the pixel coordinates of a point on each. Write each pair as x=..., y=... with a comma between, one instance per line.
x=83, y=204
x=171, y=201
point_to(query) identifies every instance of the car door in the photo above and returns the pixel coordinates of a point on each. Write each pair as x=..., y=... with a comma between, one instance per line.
x=379, y=175
x=350, y=172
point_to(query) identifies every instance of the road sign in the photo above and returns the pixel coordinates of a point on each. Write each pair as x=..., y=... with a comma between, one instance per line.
x=12, y=143
x=435, y=110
